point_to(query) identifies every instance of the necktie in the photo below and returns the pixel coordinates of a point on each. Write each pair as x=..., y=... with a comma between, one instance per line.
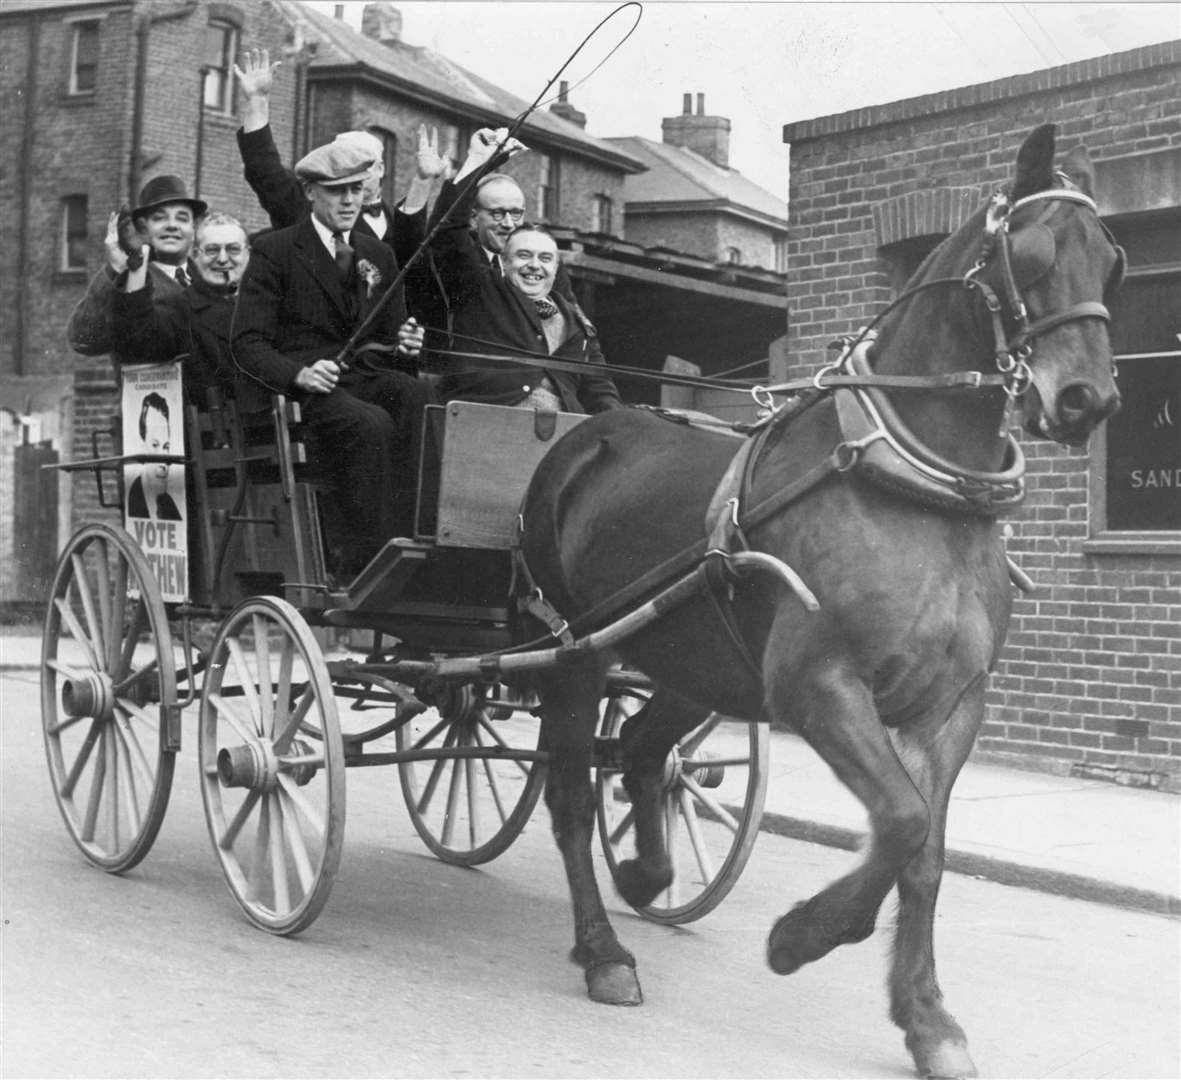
x=343, y=255
x=497, y=267
x=372, y=209
x=182, y=279
x=546, y=309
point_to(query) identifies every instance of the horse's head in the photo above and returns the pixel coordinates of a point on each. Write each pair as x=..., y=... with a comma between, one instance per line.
x=1054, y=265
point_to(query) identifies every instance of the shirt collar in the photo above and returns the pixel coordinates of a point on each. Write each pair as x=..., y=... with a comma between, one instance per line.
x=325, y=235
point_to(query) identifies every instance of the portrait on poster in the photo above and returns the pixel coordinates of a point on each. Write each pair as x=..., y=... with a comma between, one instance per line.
x=154, y=508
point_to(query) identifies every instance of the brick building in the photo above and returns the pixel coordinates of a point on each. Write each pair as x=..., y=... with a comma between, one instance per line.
x=1090, y=680
x=101, y=95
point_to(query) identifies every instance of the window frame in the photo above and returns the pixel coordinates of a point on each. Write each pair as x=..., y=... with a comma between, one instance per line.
x=549, y=201
x=77, y=26
x=64, y=265
x=603, y=201
x=227, y=84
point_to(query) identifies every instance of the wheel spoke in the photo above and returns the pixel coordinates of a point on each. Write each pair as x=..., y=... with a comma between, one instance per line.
x=437, y=767
x=262, y=653
x=128, y=786
x=295, y=842
x=129, y=736
x=486, y=725
x=671, y=840
x=715, y=807
x=226, y=711
x=230, y=833
x=473, y=803
x=693, y=743
x=494, y=788
x=625, y=823
x=283, y=696
x=71, y=620
x=82, y=581
x=259, y=852
x=151, y=666
x=138, y=623
x=292, y=724
x=246, y=680
x=429, y=737
x=80, y=762
x=311, y=815
x=97, y=782
x=696, y=838
x=278, y=862
x=116, y=612
x=452, y=804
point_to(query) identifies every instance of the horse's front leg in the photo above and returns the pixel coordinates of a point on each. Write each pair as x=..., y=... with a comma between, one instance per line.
x=835, y=713
x=569, y=711
x=933, y=760
x=647, y=738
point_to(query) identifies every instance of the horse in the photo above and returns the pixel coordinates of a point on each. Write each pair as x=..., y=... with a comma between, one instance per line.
x=879, y=489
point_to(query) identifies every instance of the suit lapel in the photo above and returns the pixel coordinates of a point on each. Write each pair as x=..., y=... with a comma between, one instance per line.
x=321, y=267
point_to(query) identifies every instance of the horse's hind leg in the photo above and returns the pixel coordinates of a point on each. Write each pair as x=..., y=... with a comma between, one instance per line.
x=569, y=711
x=933, y=758
x=835, y=713
x=647, y=738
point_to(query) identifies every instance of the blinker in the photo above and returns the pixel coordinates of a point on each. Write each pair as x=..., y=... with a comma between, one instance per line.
x=1032, y=250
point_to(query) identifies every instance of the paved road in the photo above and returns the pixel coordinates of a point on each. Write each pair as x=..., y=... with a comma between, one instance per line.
x=416, y=968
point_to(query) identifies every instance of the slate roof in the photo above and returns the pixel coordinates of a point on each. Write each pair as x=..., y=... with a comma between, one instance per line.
x=420, y=73
x=682, y=177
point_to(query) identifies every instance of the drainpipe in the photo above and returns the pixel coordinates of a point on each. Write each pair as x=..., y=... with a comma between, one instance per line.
x=143, y=33
x=25, y=180
x=202, y=72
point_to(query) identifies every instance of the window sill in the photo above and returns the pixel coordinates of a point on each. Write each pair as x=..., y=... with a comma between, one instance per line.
x=70, y=277
x=1133, y=543
x=78, y=97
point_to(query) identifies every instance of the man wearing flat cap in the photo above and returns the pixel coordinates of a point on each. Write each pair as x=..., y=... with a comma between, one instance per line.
x=165, y=219
x=306, y=291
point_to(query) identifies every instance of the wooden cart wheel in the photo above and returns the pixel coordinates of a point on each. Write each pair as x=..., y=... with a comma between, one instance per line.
x=471, y=792
x=715, y=785
x=108, y=697
x=272, y=765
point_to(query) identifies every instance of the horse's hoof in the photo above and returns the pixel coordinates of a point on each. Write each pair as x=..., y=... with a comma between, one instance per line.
x=790, y=945
x=614, y=984
x=945, y=1061
x=638, y=886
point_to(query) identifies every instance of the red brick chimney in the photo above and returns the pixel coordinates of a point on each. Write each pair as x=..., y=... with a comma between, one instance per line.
x=707, y=135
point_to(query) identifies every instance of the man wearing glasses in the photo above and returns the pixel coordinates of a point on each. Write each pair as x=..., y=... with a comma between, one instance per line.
x=487, y=310
x=194, y=321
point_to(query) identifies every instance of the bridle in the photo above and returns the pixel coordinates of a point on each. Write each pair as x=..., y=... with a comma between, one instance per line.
x=1012, y=352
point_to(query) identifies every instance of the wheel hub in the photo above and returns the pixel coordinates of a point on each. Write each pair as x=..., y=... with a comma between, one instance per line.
x=251, y=765
x=91, y=694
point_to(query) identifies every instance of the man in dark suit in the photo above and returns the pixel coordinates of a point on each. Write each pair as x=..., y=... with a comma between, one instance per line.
x=500, y=279
x=281, y=195
x=194, y=321
x=307, y=289
x=164, y=220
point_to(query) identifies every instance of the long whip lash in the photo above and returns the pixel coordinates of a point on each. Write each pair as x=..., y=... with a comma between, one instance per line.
x=348, y=350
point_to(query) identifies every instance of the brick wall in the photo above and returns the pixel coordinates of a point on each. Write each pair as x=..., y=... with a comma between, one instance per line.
x=1090, y=679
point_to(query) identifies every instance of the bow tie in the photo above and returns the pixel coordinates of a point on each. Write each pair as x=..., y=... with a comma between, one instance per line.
x=546, y=309
x=372, y=209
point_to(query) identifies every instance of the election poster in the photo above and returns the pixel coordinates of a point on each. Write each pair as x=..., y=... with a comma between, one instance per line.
x=154, y=509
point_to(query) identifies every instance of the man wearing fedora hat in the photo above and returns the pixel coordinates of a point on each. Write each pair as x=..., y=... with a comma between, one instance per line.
x=165, y=219
x=306, y=291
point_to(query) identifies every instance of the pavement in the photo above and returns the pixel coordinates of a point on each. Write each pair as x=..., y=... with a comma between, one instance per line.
x=1088, y=839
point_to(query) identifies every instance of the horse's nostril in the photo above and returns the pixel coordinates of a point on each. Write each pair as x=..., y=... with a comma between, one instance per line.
x=1076, y=400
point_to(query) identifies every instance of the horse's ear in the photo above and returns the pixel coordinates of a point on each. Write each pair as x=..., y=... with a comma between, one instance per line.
x=1077, y=165
x=1035, y=163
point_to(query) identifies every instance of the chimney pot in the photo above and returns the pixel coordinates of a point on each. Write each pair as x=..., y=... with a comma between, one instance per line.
x=563, y=90
x=339, y=11
x=687, y=105
x=700, y=104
